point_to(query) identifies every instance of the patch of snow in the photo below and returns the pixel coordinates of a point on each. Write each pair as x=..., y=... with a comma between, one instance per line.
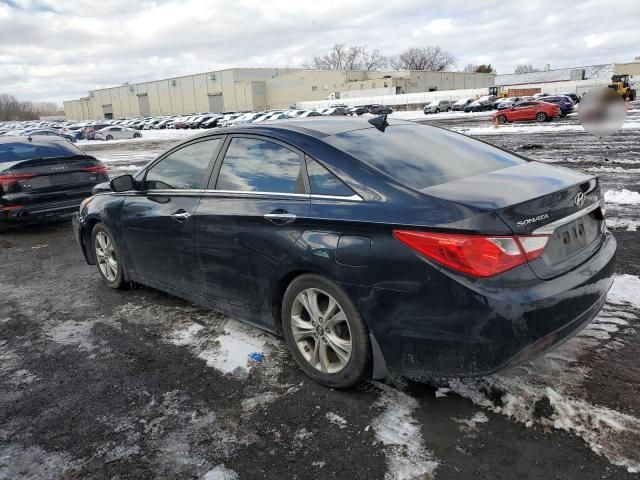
x=233, y=346
x=622, y=197
x=469, y=424
x=442, y=392
x=336, y=420
x=533, y=128
x=628, y=224
x=318, y=464
x=399, y=432
x=220, y=473
x=187, y=335
x=625, y=289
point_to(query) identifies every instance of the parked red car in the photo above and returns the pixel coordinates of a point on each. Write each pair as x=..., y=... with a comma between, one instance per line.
x=530, y=110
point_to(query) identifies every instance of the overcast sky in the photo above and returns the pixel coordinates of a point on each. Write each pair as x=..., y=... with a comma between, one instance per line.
x=55, y=50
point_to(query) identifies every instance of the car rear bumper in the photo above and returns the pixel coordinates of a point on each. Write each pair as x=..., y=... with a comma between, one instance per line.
x=44, y=211
x=480, y=329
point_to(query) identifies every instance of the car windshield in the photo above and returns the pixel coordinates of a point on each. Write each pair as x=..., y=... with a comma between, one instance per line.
x=420, y=156
x=15, y=151
x=461, y=101
x=483, y=99
x=434, y=103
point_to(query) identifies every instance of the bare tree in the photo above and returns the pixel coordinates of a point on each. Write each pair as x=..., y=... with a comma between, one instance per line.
x=431, y=58
x=13, y=109
x=343, y=57
x=525, y=69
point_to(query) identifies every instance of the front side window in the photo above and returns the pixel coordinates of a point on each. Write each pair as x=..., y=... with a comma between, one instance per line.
x=323, y=182
x=253, y=165
x=184, y=168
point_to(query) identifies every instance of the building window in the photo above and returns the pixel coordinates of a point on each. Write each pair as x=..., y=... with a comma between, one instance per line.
x=314, y=89
x=385, y=85
x=373, y=84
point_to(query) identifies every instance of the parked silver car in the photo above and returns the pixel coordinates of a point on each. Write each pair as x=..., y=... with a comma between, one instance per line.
x=116, y=133
x=438, y=106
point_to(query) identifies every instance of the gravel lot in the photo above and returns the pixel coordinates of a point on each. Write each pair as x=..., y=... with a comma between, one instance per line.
x=137, y=384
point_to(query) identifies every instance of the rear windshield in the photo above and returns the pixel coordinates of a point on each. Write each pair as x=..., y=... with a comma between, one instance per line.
x=420, y=156
x=25, y=150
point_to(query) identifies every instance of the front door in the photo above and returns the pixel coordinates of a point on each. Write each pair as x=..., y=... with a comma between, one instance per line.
x=158, y=221
x=245, y=227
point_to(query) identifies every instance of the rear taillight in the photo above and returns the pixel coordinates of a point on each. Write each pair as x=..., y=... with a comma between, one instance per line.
x=7, y=179
x=475, y=255
x=100, y=168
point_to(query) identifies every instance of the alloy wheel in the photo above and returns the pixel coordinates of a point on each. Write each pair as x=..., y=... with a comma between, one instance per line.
x=321, y=330
x=106, y=257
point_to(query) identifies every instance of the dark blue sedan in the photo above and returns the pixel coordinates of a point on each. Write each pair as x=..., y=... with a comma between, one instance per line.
x=373, y=247
x=565, y=103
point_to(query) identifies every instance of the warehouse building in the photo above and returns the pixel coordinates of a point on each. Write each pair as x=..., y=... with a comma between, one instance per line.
x=246, y=89
x=568, y=80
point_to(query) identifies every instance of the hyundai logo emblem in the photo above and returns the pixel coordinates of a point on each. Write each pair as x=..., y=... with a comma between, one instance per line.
x=579, y=199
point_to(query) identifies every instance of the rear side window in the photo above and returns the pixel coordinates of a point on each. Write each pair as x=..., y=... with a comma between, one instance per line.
x=182, y=169
x=323, y=182
x=420, y=156
x=14, y=151
x=254, y=165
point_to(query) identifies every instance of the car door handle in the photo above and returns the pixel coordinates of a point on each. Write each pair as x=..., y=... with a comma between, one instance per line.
x=280, y=218
x=181, y=215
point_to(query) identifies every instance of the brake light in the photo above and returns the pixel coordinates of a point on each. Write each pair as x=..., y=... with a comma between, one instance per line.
x=12, y=207
x=100, y=168
x=475, y=255
x=7, y=179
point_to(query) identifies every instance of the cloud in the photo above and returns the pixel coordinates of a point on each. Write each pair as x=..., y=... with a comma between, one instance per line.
x=52, y=50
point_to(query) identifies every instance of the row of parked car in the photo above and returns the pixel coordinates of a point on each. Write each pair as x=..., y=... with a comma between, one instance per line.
x=213, y=120
x=73, y=132
x=564, y=102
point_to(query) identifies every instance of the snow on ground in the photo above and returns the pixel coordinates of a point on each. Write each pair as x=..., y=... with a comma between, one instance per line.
x=547, y=390
x=399, y=432
x=420, y=115
x=336, y=420
x=623, y=223
x=523, y=128
x=221, y=473
x=146, y=135
x=623, y=197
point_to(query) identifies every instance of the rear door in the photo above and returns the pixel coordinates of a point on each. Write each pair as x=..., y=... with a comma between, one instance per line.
x=158, y=222
x=255, y=209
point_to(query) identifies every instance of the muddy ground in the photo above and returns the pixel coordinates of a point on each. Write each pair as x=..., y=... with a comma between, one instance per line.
x=96, y=383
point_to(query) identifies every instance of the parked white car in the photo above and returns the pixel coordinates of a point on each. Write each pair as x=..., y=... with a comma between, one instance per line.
x=116, y=133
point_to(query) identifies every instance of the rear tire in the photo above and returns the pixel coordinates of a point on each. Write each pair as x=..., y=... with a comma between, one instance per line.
x=325, y=333
x=541, y=116
x=107, y=255
x=502, y=119
x=136, y=135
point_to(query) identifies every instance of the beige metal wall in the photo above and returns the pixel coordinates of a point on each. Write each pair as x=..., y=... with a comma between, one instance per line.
x=188, y=94
x=244, y=89
x=628, y=68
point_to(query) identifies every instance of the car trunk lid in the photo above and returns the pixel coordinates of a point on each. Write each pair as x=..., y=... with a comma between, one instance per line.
x=44, y=175
x=538, y=199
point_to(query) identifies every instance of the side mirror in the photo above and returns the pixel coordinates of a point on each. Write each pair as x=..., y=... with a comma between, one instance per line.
x=123, y=183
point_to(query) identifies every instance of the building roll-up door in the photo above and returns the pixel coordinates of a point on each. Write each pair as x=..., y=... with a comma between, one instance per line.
x=215, y=103
x=143, y=103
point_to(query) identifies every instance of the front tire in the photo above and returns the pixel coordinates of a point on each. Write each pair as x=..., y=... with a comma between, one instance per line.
x=107, y=255
x=541, y=116
x=109, y=137
x=502, y=119
x=437, y=110
x=136, y=135
x=325, y=333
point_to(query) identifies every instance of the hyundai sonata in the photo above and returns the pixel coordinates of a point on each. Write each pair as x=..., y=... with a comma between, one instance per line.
x=371, y=246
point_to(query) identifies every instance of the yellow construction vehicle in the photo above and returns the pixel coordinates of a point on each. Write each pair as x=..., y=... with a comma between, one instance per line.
x=622, y=86
x=498, y=92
